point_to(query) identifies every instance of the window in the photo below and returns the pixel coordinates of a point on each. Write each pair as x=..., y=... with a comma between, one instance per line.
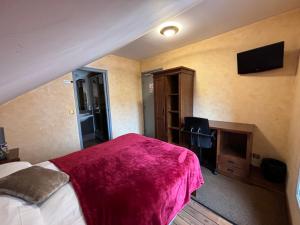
x=298, y=190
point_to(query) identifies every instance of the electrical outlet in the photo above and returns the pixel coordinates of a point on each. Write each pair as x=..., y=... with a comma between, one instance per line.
x=256, y=159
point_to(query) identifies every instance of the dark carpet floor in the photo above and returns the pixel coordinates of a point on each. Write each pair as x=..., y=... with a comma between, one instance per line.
x=242, y=203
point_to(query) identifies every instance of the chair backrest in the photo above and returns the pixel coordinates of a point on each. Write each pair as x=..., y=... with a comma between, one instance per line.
x=198, y=140
x=196, y=123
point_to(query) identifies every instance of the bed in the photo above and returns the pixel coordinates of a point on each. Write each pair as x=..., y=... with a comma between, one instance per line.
x=129, y=180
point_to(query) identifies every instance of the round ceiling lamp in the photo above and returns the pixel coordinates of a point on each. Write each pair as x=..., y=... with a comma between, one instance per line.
x=169, y=31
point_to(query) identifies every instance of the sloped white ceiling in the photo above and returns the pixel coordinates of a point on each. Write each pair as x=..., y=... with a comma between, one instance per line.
x=44, y=39
x=205, y=20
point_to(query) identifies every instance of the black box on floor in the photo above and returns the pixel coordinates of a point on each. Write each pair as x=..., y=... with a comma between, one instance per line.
x=273, y=170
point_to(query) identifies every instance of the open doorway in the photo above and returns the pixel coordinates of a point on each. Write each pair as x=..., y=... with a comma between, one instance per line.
x=92, y=103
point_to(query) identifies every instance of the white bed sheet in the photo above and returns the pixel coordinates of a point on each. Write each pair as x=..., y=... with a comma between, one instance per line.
x=62, y=208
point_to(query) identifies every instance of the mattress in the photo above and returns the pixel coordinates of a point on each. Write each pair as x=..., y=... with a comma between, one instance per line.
x=115, y=179
x=62, y=208
x=64, y=200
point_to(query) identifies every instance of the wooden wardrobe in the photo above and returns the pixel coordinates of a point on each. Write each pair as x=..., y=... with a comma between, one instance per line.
x=173, y=100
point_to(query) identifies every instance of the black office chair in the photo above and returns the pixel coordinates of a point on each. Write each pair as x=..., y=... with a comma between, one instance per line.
x=201, y=138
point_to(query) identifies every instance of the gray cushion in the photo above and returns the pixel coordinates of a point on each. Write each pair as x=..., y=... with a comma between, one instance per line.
x=34, y=184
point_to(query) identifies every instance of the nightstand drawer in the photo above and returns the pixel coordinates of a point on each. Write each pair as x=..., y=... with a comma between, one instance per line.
x=9, y=160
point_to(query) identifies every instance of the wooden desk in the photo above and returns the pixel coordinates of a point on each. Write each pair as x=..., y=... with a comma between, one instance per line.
x=230, y=126
x=240, y=167
x=234, y=147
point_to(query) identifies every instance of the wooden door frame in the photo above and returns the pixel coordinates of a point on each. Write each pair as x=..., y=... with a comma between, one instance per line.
x=145, y=74
x=107, y=101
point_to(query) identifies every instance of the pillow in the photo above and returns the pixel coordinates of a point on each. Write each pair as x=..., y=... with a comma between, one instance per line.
x=8, y=168
x=34, y=184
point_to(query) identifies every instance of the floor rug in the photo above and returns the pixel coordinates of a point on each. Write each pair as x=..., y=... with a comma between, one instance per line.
x=242, y=203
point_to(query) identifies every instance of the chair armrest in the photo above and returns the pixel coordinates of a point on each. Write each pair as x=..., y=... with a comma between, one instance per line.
x=203, y=135
x=213, y=134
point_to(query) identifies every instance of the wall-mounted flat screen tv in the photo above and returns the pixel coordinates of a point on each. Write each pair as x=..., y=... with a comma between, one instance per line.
x=261, y=59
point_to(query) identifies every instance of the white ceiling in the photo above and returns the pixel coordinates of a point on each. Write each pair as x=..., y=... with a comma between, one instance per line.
x=42, y=40
x=207, y=19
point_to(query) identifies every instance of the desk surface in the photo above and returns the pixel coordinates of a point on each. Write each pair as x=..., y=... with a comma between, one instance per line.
x=231, y=126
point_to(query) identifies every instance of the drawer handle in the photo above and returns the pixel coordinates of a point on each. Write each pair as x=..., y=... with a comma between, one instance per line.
x=229, y=161
x=230, y=170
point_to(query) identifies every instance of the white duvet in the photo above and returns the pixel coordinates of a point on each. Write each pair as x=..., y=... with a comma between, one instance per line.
x=62, y=208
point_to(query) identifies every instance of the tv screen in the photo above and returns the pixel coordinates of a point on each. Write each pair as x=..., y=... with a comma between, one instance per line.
x=261, y=59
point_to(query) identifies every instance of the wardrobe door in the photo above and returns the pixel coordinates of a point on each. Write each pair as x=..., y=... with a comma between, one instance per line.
x=160, y=108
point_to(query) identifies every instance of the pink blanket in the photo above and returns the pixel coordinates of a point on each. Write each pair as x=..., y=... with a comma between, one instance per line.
x=132, y=180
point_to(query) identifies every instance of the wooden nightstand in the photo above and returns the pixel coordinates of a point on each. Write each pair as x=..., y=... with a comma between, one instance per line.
x=13, y=156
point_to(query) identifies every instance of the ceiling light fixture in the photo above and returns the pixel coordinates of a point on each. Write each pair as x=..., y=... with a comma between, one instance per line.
x=169, y=31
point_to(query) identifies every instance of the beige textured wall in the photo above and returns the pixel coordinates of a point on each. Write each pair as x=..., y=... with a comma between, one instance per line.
x=294, y=154
x=263, y=99
x=41, y=122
